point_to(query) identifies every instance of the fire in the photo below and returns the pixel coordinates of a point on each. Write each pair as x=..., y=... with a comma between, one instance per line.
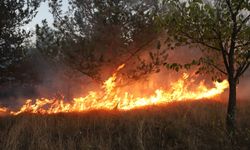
x=112, y=97
x=3, y=110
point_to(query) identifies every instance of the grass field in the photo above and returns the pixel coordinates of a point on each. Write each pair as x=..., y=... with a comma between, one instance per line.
x=197, y=125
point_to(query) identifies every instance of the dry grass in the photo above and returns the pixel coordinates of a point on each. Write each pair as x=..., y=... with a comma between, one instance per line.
x=186, y=125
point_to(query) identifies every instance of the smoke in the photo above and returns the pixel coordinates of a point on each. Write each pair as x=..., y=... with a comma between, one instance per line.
x=51, y=80
x=182, y=55
x=60, y=81
x=243, y=89
x=186, y=54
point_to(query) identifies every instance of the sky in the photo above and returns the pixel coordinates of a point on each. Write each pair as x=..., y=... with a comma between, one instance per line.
x=43, y=13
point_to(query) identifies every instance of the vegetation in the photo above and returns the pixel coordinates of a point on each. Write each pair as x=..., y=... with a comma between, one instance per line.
x=13, y=39
x=182, y=125
x=221, y=29
x=94, y=35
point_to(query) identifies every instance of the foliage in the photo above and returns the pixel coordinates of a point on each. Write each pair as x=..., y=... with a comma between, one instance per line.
x=94, y=33
x=13, y=39
x=221, y=29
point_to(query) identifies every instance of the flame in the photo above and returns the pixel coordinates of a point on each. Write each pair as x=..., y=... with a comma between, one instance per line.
x=3, y=111
x=111, y=97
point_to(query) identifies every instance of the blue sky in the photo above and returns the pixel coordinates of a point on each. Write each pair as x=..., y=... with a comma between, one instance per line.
x=43, y=13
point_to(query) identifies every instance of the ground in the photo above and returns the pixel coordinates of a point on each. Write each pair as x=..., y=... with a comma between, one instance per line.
x=192, y=125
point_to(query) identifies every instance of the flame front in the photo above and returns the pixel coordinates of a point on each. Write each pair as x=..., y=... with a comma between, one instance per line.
x=111, y=97
x=3, y=111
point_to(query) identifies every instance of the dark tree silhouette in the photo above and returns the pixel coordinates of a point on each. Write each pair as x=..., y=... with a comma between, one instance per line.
x=96, y=33
x=221, y=29
x=14, y=14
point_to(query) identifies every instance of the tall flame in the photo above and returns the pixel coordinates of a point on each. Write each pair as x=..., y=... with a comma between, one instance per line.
x=111, y=97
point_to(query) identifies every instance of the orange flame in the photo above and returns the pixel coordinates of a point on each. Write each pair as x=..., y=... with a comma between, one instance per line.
x=111, y=97
x=3, y=111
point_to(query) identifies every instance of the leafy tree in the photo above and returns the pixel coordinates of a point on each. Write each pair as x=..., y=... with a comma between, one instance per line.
x=93, y=33
x=221, y=29
x=14, y=15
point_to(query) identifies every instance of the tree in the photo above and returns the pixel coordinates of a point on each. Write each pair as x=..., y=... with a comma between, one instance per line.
x=14, y=15
x=95, y=33
x=221, y=29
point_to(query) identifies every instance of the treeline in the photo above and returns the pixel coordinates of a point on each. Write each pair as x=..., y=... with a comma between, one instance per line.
x=87, y=37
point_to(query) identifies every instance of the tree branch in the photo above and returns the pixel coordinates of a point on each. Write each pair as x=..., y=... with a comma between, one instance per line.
x=216, y=67
x=243, y=67
x=223, y=51
x=238, y=7
x=199, y=41
x=230, y=8
x=243, y=45
x=243, y=22
x=138, y=50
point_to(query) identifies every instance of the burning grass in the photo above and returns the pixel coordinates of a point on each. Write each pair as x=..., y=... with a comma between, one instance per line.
x=113, y=97
x=180, y=125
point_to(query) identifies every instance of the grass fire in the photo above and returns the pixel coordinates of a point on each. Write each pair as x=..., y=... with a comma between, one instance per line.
x=113, y=98
x=124, y=74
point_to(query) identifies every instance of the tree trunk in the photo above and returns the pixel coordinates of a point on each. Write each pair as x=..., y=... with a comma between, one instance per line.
x=231, y=111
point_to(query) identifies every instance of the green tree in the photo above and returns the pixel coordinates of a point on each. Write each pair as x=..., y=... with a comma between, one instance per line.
x=221, y=29
x=96, y=33
x=14, y=15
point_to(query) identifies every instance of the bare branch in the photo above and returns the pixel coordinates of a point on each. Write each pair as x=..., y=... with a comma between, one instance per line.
x=138, y=50
x=216, y=67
